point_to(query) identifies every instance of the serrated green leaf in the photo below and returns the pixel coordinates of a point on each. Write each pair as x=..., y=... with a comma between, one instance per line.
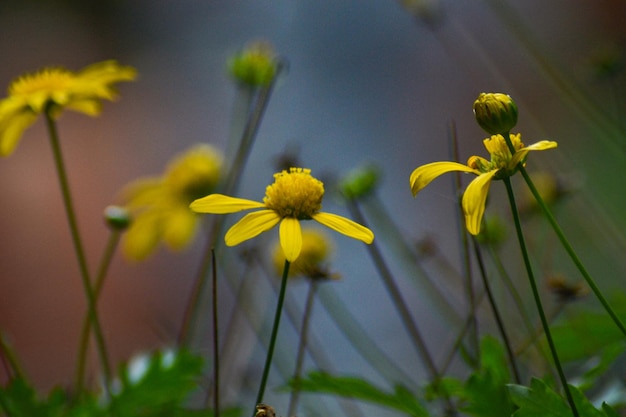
x=157, y=384
x=541, y=401
x=401, y=399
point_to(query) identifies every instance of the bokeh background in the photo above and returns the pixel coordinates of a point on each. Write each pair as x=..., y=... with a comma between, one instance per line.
x=367, y=81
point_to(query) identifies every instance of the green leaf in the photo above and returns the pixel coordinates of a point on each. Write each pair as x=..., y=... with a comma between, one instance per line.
x=157, y=384
x=485, y=391
x=401, y=399
x=541, y=401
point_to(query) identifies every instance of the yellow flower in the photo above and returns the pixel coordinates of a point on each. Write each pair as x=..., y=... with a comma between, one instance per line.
x=161, y=204
x=502, y=165
x=313, y=257
x=52, y=90
x=294, y=196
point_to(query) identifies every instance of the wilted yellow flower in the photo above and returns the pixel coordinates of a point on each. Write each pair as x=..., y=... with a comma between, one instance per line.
x=294, y=196
x=313, y=259
x=54, y=89
x=161, y=204
x=496, y=113
x=502, y=165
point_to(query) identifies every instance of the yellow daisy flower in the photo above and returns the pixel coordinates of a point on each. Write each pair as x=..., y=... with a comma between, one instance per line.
x=502, y=165
x=295, y=195
x=52, y=90
x=160, y=205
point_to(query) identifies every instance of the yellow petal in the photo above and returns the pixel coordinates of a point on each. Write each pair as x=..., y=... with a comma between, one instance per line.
x=222, y=204
x=179, y=227
x=12, y=129
x=474, y=200
x=251, y=225
x=542, y=145
x=142, y=237
x=422, y=176
x=290, y=238
x=345, y=226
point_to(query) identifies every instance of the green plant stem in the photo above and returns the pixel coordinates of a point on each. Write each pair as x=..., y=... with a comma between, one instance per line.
x=496, y=312
x=535, y=290
x=78, y=248
x=103, y=268
x=229, y=186
x=216, y=345
x=570, y=251
x=304, y=331
x=9, y=361
x=398, y=300
x=270, y=348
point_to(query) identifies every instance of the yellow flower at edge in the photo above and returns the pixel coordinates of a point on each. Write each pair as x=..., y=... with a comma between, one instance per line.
x=295, y=195
x=502, y=165
x=160, y=205
x=53, y=90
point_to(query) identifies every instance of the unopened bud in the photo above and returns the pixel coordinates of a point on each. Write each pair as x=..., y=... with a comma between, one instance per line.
x=360, y=182
x=255, y=66
x=117, y=217
x=496, y=113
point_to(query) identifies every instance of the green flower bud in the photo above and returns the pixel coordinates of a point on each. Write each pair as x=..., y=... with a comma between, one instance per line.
x=117, y=218
x=360, y=182
x=496, y=113
x=255, y=66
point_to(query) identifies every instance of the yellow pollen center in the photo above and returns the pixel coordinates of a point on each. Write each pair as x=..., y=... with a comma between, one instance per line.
x=295, y=193
x=47, y=80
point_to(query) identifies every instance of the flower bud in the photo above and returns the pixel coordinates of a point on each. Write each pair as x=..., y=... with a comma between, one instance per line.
x=116, y=217
x=496, y=113
x=360, y=182
x=255, y=66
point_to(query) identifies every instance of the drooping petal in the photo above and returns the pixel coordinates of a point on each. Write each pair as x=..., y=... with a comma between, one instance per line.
x=11, y=131
x=542, y=145
x=222, y=204
x=474, y=200
x=179, y=227
x=345, y=226
x=290, y=238
x=422, y=176
x=143, y=235
x=251, y=225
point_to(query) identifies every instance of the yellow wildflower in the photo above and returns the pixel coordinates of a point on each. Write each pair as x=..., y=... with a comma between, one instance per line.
x=161, y=204
x=52, y=90
x=295, y=195
x=502, y=165
x=313, y=257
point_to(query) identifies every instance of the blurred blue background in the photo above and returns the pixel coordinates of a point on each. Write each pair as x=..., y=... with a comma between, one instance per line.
x=367, y=81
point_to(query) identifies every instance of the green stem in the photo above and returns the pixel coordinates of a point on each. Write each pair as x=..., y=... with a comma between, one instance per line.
x=535, y=290
x=270, y=348
x=398, y=300
x=109, y=251
x=496, y=312
x=304, y=331
x=9, y=361
x=570, y=251
x=78, y=248
x=230, y=185
x=216, y=346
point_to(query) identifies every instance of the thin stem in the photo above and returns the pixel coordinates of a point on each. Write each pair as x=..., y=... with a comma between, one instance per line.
x=304, y=331
x=78, y=248
x=270, y=349
x=570, y=251
x=535, y=290
x=230, y=185
x=496, y=312
x=216, y=346
x=107, y=257
x=9, y=361
x=396, y=296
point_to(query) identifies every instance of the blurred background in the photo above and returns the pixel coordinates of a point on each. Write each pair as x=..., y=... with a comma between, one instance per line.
x=367, y=81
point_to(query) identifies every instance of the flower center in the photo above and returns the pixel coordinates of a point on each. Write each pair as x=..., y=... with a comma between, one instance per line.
x=47, y=80
x=295, y=193
x=500, y=154
x=195, y=173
